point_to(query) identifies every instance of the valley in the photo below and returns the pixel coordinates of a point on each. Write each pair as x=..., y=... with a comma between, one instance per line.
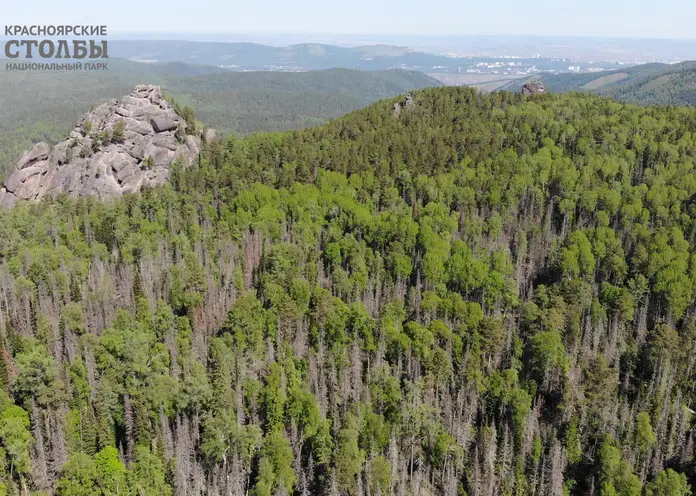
x=44, y=106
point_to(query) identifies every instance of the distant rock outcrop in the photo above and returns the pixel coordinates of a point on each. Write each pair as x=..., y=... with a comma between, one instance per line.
x=117, y=148
x=533, y=87
x=407, y=103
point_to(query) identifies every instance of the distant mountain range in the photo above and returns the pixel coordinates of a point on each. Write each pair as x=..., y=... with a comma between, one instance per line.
x=318, y=56
x=44, y=105
x=649, y=84
x=254, y=57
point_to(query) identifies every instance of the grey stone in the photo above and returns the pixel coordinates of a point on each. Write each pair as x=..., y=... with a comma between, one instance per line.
x=12, y=182
x=194, y=144
x=125, y=173
x=123, y=112
x=61, y=152
x=132, y=184
x=139, y=127
x=76, y=168
x=8, y=201
x=121, y=161
x=106, y=186
x=160, y=156
x=25, y=174
x=29, y=189
x=39, y=152
x=150, y=111
x=137, y=152
x=408, y=103
x=157, y=176
x=72, y=181
x=58, y=179
x=161, y=124
x=134, y=100
x=533, y=87
x=166, y=143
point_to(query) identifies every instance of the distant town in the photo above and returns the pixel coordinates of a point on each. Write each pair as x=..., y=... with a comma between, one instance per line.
x=503, y=66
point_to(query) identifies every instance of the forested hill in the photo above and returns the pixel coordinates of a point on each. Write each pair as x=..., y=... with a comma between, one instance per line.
x=256, y=57
x=476, y=295
x=44, y=105
x=649, y=84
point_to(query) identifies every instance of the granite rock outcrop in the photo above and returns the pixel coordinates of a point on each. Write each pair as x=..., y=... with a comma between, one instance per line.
x=117, y=148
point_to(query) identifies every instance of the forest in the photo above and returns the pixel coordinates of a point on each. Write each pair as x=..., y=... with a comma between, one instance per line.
x=44, y=105
x=477, y=295
x=646, y=84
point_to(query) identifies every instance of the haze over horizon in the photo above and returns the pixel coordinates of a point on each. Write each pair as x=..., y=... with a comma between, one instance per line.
x=670, y=19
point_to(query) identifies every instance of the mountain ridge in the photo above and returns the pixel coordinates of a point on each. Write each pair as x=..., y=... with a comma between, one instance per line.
x=648, y=84
x=43, y=106
x=478, y=294
x=256, y=56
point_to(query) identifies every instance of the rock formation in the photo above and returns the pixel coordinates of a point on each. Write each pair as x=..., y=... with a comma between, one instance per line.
x=116, y=148
x=533, y=87
x=406, y=104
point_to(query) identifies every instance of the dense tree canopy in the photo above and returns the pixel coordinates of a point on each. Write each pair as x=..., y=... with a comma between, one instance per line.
x=480, y=295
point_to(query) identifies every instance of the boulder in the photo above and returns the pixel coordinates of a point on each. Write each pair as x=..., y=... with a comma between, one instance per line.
x=62, y=152
x=160, y=156
x=106, y=186
x=8, y=200
x=167, y=143
x=12, y=182
x=157, y=176
x=194, y=144
x=161, y=124
x=132, y=184
x=134, y=101
x=29, y=189
x=39, y=152
x=137, y=152
x=124, y=174
x=123, y=112
x=25, y=174
x=138, y=127
x=117, y=160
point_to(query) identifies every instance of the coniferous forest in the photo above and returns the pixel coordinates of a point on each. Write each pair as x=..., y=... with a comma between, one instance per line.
x=477, y=295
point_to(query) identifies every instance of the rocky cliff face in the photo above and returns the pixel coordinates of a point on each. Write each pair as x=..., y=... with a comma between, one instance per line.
x=117, y=148
x=533, y=87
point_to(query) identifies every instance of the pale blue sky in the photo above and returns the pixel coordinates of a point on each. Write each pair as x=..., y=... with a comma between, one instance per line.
x=622, y=18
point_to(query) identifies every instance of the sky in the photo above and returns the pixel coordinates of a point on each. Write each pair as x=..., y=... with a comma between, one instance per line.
x=593, y=18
